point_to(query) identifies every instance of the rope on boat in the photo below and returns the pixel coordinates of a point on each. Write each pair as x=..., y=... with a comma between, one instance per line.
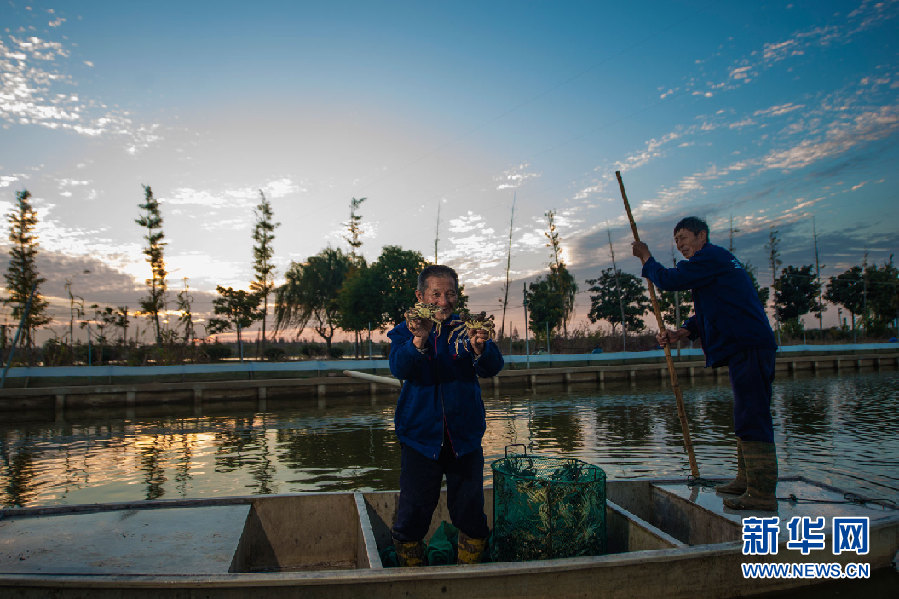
x=848, y=498
x=698, y=481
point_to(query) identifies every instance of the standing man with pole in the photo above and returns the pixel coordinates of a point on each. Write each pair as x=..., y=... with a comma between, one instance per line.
x=675, y=386
x=732, y=325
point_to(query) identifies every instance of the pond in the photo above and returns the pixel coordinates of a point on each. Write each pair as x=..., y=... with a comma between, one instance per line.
x=837, y=429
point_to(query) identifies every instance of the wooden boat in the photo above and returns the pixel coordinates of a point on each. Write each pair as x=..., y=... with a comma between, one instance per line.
x=664, y=539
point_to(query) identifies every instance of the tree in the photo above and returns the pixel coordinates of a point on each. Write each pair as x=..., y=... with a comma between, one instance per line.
x=354, y=229
x=505, y=300
x=310, y=293
x=238, y=309
x=882, y=294
x=22, y=279
x=102, y=320
x=122, y=322
x=870, y=291
x=379, y=294
x=561, y=280
x=795, y=293
x=264, y=283
x=360, y=300
x=186, y=318
x=774, y=262
x=76, y=310
x=437, y=233
x=762, y=292
x=397, y=274
x=618, y=290
x=352, y=323
x=847, y=289
x=818, y=266
x=675, y=306
x=606, y=303
x=546, y=310
x=151, y=220
x=732, y=230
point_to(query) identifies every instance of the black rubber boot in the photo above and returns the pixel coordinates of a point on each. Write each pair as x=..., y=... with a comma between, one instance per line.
x=761, y=478
x=738, y=485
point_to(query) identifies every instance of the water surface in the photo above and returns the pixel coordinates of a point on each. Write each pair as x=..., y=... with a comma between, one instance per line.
x=839, y=430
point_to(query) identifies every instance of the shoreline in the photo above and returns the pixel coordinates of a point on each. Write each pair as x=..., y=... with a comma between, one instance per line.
x=57, y=389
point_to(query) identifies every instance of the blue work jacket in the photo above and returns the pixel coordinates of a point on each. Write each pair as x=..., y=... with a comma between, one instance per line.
x=440, y=388
x=728, y=315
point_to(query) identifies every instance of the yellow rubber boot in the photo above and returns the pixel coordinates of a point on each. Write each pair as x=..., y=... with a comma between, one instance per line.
x=471, y=550
x=410, y=554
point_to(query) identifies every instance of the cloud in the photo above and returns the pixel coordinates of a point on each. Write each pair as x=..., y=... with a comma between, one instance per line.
x=37, y=91
x=840, y=137
x=239, y=197
x=8, y=180
x=590, y=190
x=748, y=68
x=474, y=248
x=282, y=187
x=780, y=110
x=514, y=177
x=811, y=133
x=870, y=13
x=66, y=184
x=92, y=281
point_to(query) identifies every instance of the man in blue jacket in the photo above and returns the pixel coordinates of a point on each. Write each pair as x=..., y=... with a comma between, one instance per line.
x=731, y=323
x=440, y=421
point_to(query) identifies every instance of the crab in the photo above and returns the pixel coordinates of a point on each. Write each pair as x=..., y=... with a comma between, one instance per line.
x=469, y=323
x=424, y=311
x=480, y=321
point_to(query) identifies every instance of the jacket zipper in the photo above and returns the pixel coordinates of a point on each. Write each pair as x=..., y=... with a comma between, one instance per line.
x=446, y=432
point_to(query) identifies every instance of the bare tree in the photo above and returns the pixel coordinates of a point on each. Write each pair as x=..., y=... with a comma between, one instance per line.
x=502, y=327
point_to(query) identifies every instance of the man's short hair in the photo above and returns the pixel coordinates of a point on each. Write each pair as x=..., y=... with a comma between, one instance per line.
x=693, y=224
x=436, y=270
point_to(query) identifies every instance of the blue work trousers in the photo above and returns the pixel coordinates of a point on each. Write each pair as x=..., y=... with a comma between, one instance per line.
x=751, y=375
x=420, y=480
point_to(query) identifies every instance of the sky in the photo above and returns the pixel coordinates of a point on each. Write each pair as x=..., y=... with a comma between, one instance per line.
x=756, y=116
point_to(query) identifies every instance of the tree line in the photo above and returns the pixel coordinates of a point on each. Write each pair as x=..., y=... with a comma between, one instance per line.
x=868, y=293
x=328, y=291
x=336, y=290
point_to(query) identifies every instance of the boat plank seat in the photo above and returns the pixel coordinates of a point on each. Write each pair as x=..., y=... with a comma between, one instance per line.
x=171, y=541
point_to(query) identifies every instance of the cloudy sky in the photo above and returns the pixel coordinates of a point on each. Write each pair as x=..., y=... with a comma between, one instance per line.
x=761, y=114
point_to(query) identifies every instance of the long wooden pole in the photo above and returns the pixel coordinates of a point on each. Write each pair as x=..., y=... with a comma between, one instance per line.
x=681, y=412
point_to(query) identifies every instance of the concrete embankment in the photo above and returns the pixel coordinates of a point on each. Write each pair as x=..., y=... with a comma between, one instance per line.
x=55, y=390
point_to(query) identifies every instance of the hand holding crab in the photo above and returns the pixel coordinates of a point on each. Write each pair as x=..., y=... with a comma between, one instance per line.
x=475, y=330
x=478, y=338
x=420, y=319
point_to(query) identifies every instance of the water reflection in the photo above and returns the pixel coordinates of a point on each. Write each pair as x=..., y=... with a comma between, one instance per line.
x=839, y=430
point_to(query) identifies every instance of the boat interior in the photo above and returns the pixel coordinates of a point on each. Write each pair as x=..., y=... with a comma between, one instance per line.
x=345, y=531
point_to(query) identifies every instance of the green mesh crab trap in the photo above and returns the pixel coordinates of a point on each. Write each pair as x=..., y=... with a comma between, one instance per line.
x=547, y=507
